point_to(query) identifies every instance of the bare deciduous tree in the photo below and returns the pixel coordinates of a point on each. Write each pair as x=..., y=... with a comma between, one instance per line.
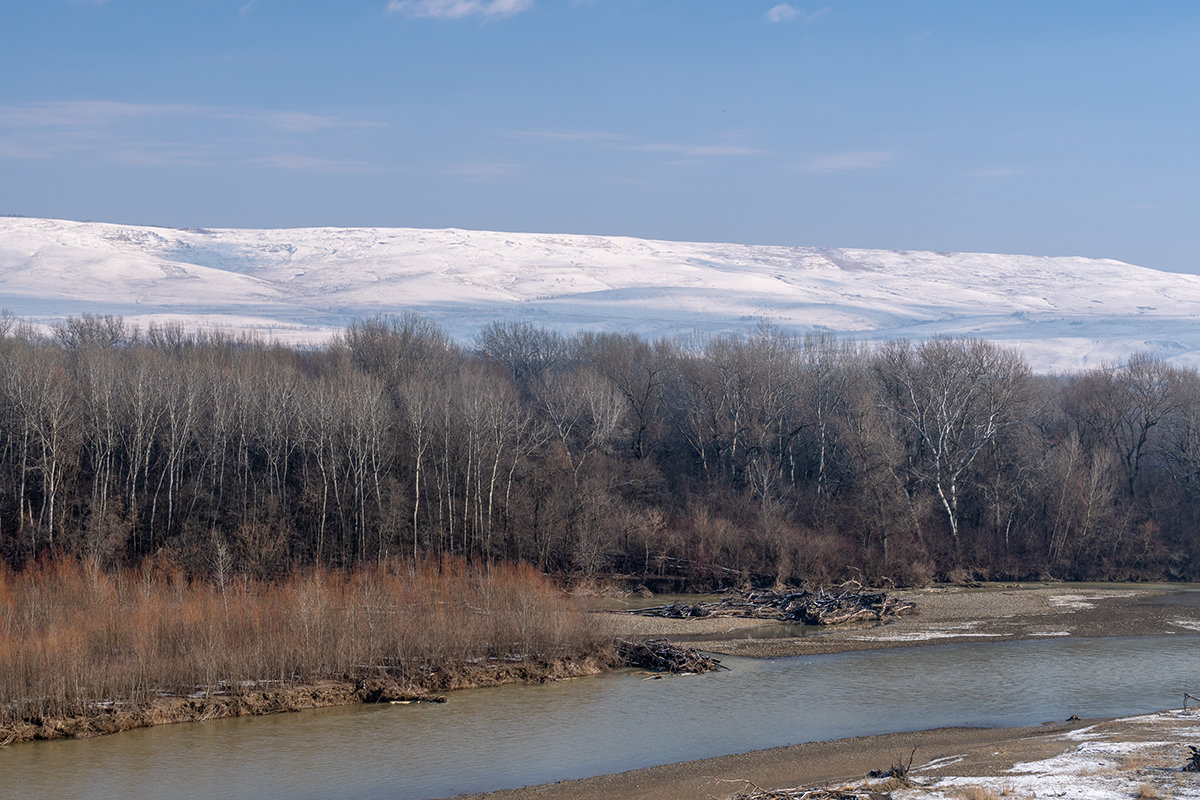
x=952, y=398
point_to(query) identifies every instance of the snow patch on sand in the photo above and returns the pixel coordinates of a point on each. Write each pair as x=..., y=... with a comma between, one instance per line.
x=1104, y=766
x=932, y=632
x=1082, y=734
x=939, y=762
x=1078, y=602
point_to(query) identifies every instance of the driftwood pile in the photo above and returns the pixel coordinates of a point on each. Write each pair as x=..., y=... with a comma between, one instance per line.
x=879, y=784
x=849, y=602
x=838, y=793
x=867, y=790
x=663, y=656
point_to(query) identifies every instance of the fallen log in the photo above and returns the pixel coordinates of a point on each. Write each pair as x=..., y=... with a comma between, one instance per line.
x=675, y=610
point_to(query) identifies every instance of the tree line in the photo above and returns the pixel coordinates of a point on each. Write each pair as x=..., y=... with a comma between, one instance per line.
x=713, y=461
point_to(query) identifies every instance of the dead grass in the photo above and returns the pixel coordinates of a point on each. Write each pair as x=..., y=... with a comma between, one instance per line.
x=1139, y=760
x=74, y=639
x=979, y=793
x=1147, y=791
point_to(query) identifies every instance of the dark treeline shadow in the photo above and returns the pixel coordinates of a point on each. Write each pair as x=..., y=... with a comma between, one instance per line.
x=745, y=459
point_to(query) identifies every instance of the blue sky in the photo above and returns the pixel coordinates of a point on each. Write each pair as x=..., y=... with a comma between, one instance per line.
x=1056, y=127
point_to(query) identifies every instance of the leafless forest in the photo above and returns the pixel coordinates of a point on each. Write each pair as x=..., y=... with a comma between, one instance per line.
x=746, y=459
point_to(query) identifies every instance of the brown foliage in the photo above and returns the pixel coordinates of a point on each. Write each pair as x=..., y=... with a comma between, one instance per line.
x=73, y=638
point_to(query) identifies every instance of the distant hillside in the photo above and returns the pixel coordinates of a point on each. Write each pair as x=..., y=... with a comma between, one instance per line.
x=302, y=284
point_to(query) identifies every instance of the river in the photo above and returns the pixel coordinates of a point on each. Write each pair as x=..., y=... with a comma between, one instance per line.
x=519, y=735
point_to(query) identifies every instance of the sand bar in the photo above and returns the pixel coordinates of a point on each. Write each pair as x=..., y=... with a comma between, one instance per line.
x=1128, y=757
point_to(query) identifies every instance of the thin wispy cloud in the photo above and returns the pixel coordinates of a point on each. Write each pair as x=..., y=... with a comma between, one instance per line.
x=302, y=163
x=697, y=150
x=298, y=121
x=100, y=113
x=484, y=172
x=847, y=162
x=617, y=141
x=163, y=155
x=131, y=134
x=995, y=172
x=81, y=113
x=13, y=150
x=782, y=13
x=458, y=9
x=785, y=12
x=592, y=137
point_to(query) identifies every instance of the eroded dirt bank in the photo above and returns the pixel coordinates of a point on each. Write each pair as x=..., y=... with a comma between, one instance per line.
x=105, y=718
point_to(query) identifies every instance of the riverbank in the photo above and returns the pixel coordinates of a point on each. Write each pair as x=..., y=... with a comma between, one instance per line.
x=1127, y=757
x=272, y=698
x=988, y=613
x=995, y=613
x=523, y=735
x=1119, y=758
x=85, y=651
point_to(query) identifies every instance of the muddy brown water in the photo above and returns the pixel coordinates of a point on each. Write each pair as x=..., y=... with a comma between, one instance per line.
x=520, y=735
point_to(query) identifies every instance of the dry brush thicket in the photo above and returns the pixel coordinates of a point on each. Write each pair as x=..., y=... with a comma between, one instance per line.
x=76, y=641
x=734, y=460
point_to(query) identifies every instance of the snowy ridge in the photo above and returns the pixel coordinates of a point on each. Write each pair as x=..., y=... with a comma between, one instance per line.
x=303, y=284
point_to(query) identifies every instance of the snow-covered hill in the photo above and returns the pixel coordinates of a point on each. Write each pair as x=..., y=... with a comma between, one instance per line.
x=302, y=284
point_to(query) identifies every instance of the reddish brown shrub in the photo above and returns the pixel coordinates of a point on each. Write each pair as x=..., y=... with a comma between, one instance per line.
x=71, y=636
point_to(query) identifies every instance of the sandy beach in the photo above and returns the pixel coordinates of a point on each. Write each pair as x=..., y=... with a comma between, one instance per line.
x=996, y=613
x=1130, y=757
